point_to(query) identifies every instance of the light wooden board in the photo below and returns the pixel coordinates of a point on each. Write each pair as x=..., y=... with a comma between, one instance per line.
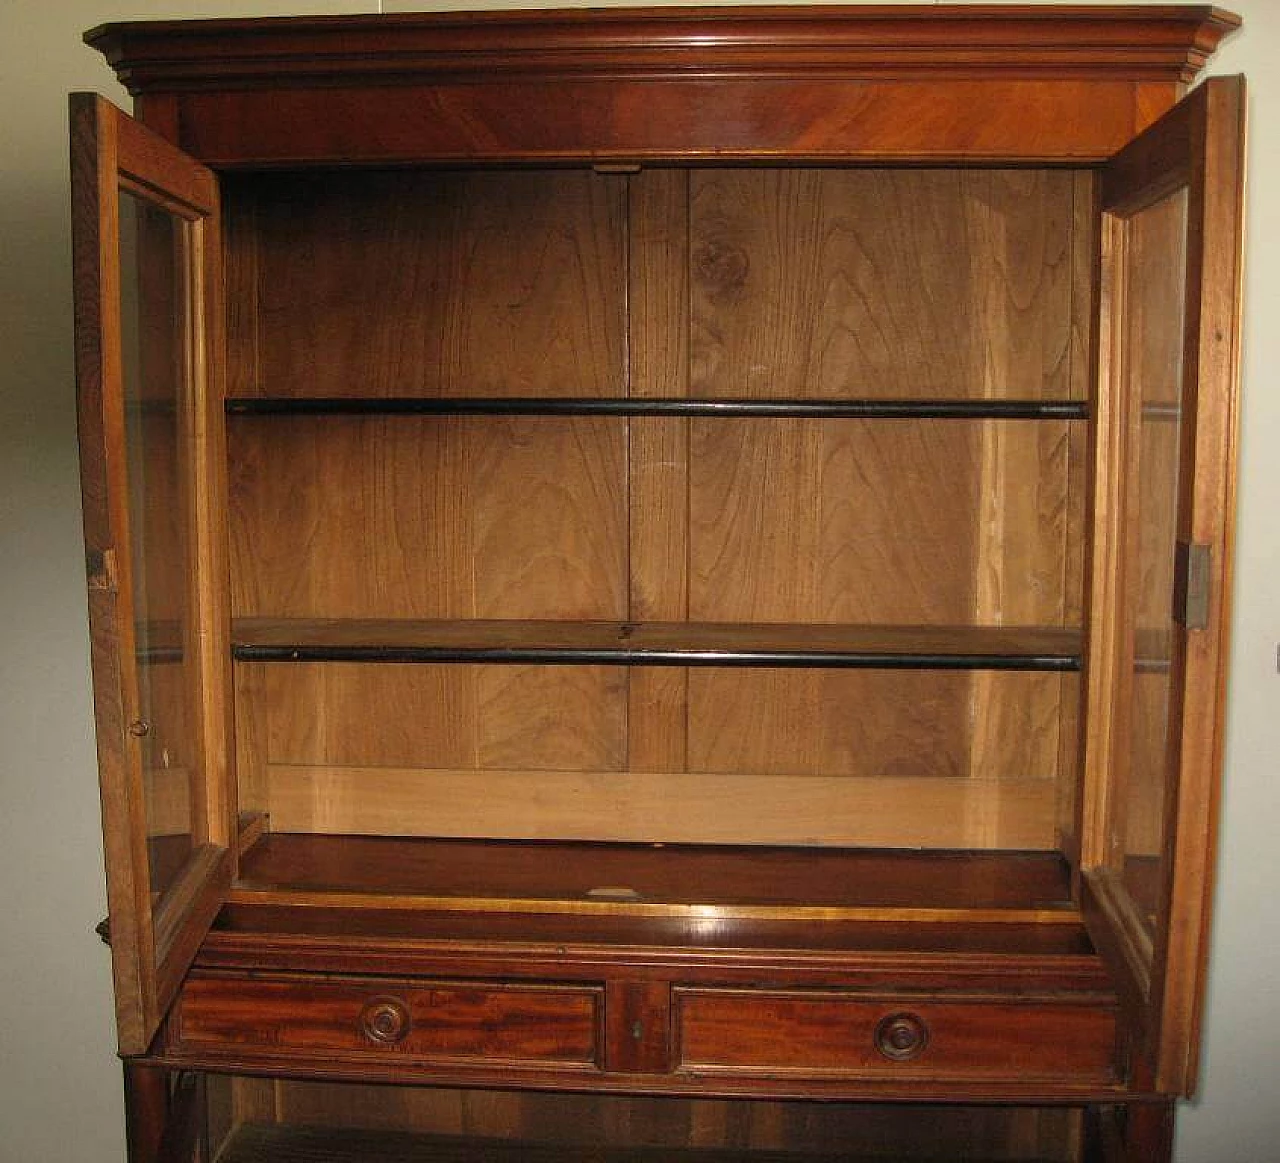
x=566, y=717
x=664, y=806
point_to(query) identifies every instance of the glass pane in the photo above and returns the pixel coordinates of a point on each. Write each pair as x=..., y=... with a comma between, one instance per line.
x=156, y=365
x=1155, y=258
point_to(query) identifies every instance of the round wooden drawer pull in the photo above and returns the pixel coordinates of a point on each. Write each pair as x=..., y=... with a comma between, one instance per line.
x=901, y=1036
x=385, y=1020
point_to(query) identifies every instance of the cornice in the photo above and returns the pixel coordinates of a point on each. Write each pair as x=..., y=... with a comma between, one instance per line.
x=1169, y=43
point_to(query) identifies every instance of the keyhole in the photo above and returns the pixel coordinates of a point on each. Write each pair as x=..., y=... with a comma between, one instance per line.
x=637, y=1031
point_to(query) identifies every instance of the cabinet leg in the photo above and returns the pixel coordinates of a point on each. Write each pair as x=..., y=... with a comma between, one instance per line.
x=165, y=1116
x=1139, y=1133
x=1148, y=1133
x=146, y=1111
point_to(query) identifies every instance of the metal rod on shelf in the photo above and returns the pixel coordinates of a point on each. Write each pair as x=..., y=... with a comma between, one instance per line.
x=933, y=409
x=629, y=656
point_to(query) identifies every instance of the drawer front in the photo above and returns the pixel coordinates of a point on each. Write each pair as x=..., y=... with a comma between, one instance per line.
x=424, y=1021
x=835, y=1035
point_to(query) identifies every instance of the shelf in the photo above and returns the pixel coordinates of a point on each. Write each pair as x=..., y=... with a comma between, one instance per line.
x=654, y=880
x=257, y=1143
x=799, y=407
x=657, y=644
x=389, y=937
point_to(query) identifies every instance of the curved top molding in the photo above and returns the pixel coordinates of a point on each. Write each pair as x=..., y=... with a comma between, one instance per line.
x=1166, y=43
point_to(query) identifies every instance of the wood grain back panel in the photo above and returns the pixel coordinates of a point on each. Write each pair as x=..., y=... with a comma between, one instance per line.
x=429, y=518
x=880, y=283
x=424, y=283
x=876, y=521
x=531, y=717
x=870, y=724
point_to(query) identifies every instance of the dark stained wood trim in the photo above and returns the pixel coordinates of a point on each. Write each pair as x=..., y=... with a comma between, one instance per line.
x=555, y=121
x=286, y=640
x=709, y=875
x=332, y=1068
x=881, y=409
x=1163, y=42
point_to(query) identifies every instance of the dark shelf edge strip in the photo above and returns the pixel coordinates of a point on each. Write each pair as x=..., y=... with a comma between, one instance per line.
x=632, y=406
x=562, y=656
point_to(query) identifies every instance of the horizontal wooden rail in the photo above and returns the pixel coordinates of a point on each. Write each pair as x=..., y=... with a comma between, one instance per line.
x=657, y=644
x=818, y=409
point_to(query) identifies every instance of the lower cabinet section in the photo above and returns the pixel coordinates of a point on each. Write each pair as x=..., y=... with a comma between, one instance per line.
x=253, y=1120
x=275, y=1144
x=679, y=1037
x=200, y=1117
x=833, y=1034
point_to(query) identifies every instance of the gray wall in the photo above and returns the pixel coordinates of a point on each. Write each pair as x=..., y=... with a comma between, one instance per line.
x=59, y=1082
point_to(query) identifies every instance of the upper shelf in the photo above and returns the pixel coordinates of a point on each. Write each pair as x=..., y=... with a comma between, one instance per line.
x=893, y=408
x=657, y=644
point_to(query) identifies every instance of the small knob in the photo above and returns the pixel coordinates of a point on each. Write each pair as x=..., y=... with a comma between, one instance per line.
x=901, y=1036
x=139, y=727
x=385, y=1020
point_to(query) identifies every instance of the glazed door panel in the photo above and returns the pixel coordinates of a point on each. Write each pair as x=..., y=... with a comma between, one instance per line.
x=1165, y=438
x=146, y=248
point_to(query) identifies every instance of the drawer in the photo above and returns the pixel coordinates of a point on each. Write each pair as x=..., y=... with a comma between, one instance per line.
x=424, y=1021
x=829, y=1034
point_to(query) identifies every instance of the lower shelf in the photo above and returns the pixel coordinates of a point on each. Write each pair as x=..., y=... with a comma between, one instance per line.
x=280, y=1144
x=654, y=880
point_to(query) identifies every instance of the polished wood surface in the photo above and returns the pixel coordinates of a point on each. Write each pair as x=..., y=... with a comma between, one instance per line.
x=876, y=83
x=429, y=1021
x=694, y=875
x=1169, y=40
x=487, y=281
x=830, y=1034
x=263, y=931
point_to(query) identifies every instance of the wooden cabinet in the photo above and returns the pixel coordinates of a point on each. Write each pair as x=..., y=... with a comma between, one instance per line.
x=639, y=560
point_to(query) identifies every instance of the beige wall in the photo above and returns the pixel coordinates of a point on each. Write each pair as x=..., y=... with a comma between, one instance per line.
x=59, y=1083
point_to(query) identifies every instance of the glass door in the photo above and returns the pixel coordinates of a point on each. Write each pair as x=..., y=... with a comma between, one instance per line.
x=145, y=234
x=1164, y=438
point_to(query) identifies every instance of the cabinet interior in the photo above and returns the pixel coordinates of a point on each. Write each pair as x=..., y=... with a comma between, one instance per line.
x=260, y=1119
x=476, y=471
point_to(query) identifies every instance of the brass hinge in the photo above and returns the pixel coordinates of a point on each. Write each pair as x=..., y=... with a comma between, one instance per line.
x=1192, y=564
